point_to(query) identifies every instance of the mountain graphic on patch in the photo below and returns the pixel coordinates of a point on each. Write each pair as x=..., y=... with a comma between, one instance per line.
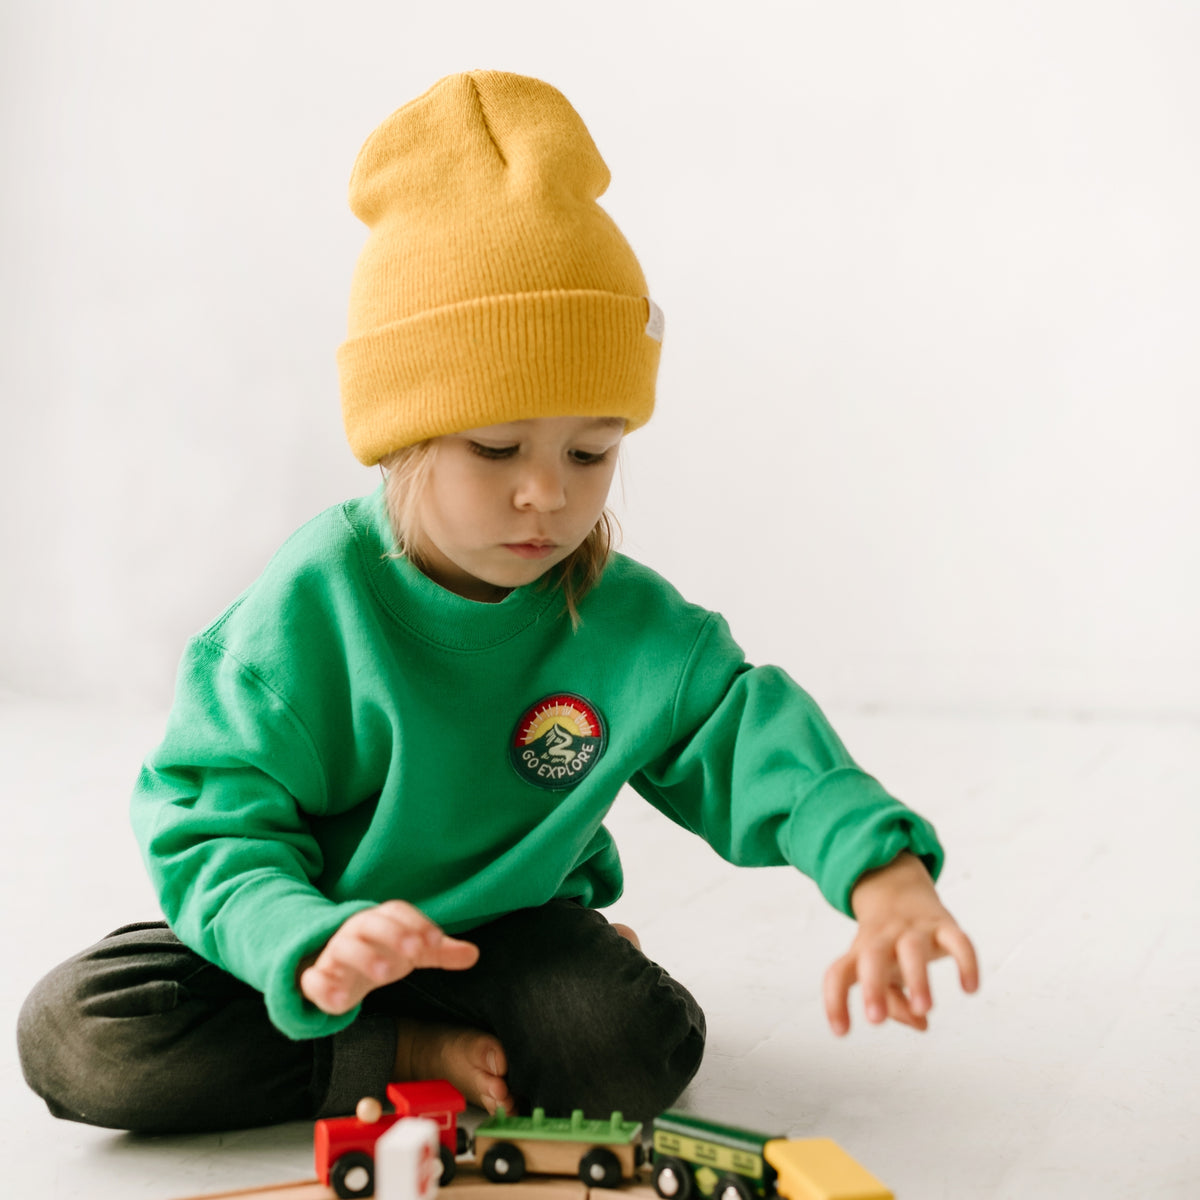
x=557, y=745
x=558, y=741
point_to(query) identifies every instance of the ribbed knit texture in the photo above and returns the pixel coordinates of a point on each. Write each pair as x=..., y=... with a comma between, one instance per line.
x=492, y=286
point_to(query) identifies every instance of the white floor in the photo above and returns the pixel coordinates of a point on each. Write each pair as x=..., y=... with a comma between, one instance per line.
x=1073, y=863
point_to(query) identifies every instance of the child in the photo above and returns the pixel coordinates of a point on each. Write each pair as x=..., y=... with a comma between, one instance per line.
x=375, y=819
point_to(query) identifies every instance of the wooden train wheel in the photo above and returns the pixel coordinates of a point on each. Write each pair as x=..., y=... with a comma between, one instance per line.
x=503, y=1163
x=672, y=1179
x=600, y=1168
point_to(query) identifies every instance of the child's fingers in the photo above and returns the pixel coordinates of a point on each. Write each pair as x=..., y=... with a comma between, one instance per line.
x=386, y=943
x=900, y=1009
x=839, y=979
x=331, y=992
x=414, y=936
x=875, y=975
x=956, y=943
x=433, y=948
x=376, y=947
x=450, y=954
x=358, y=954
x=913, y=953
x=363, y=954
x=387, y=928
x=394, y=931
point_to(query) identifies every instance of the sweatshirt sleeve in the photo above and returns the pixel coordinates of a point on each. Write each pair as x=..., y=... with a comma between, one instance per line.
x=222, y=813
x=756, y=770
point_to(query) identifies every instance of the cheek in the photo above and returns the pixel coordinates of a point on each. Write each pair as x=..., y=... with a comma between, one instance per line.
x=460, y=499
x=597, y=487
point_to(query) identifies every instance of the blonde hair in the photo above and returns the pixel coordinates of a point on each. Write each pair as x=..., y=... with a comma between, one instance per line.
x=406, y=475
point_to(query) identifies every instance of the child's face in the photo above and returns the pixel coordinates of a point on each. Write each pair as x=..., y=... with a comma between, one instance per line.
x=505, y=503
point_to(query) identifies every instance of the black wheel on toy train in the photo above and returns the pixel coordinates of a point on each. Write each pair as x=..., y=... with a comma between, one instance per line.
x=449, y=1166
x=600, y=1168
x=353, y=1175
x=503, y=1163
x=673, y=1179
x=732, y=1187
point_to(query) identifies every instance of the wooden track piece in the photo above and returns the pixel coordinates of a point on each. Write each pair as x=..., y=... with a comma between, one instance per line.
x=307, y=1190
x=469, y=1184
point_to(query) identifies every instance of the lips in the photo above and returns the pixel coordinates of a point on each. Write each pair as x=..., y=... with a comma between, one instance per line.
x=534, y=549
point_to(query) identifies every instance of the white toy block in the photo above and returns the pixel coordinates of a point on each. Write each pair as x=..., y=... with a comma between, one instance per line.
x=407, y=1161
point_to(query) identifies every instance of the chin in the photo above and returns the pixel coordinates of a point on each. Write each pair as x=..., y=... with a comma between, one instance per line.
x=525, y=578
x=506, y=580
x=518, y=573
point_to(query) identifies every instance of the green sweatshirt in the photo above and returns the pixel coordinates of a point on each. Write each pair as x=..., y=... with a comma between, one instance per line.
x=349, y=732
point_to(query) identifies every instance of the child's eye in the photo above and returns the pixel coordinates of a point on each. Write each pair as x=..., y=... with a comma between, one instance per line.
x=586, y=459
x=492, y=451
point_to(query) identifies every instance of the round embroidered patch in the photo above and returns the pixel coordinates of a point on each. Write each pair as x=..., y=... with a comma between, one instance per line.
x=558, y=741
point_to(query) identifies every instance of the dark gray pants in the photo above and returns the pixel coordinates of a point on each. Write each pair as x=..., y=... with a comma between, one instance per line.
x=140, y=1033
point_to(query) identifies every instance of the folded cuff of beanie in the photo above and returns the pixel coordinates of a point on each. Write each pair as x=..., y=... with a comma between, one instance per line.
x=498, y=359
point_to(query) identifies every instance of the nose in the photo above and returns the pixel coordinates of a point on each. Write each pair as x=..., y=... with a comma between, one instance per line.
x=540, y=488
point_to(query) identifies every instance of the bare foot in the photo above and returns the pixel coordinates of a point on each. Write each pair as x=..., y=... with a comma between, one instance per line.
x=628, y=935
x=471, y=1060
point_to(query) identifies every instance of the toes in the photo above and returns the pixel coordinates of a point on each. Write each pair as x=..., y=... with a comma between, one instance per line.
x=629, y=935
x=472, y=1060
x=495, y=1059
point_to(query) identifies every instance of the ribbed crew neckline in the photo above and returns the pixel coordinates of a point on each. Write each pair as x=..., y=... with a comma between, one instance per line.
x=428, y=609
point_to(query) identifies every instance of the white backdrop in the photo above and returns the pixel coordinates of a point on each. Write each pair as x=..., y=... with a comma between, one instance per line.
x=927, y=428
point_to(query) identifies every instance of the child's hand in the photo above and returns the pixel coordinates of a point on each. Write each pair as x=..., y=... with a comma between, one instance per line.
x=902, y=928
x=376, y=947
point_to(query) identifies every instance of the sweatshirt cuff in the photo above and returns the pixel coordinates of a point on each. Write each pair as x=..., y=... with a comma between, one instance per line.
x=361, y=1060
x=309, y=926
x=860, y=827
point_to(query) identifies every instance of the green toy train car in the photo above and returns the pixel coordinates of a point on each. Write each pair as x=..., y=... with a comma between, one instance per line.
x=601, y=1153
x=698, y=1159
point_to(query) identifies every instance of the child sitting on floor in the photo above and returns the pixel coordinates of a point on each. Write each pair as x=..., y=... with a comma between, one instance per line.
x=375, y=820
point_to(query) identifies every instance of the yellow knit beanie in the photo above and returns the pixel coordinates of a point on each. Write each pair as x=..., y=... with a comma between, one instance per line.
x=492, y=286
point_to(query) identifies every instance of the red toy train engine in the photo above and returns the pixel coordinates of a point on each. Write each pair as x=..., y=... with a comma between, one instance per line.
x=345, y=1146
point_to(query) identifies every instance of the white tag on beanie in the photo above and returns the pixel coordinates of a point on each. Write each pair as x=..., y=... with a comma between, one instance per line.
x=657, y=321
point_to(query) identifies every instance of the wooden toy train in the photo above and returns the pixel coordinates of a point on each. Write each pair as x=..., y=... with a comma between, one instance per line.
x=691, y=1158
